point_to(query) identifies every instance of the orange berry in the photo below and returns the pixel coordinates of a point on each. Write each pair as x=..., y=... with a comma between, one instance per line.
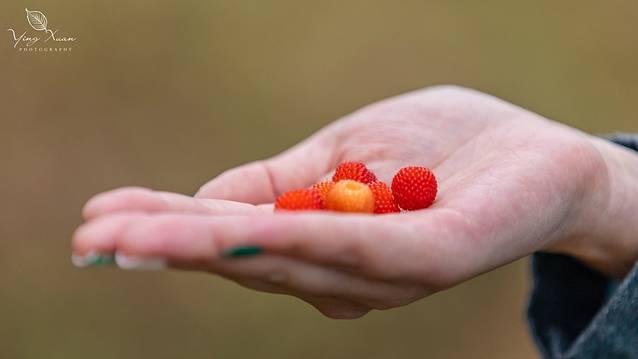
x=323, y=188
x=350, y=196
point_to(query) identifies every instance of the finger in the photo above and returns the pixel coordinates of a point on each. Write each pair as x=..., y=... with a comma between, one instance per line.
x=262, y=181
x=296, y=277
x=337, y=308
x=137, y=199
x=379, y=248
x=308, y=279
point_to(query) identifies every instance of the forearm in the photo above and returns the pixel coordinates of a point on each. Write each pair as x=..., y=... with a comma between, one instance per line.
x=610, y=242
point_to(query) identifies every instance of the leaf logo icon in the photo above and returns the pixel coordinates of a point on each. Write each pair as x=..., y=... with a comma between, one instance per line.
x=37, y=20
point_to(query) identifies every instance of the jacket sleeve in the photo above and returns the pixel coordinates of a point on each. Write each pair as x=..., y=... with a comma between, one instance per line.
x=575, y=312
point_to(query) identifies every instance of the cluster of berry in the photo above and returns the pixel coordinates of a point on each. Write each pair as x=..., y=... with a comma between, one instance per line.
x=354, y=188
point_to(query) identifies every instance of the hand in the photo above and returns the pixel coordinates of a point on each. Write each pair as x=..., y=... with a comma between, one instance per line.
x=511, y=183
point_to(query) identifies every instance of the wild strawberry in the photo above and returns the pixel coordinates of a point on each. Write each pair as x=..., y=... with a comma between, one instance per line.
x=306, y=199
x=323, y=188
x=383, y=198
x=414, y=188
x=350, y=196
x=355, y=171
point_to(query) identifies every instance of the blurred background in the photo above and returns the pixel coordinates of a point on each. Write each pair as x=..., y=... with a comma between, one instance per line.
x=167, y=94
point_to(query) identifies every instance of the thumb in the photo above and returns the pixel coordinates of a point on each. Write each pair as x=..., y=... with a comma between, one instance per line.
x=262, y=181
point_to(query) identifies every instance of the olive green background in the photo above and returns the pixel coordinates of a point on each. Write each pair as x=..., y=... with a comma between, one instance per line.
x=167, y=94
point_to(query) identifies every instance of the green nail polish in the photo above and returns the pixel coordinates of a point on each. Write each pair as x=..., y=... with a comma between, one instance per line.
x=101, y=260
x=242, y=251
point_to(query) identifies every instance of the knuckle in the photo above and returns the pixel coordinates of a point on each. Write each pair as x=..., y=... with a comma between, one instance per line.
x=343, y=313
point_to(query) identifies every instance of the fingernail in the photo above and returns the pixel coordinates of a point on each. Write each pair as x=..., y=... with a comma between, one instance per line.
x=92, y=260
x=139, y=263
x=242, y=251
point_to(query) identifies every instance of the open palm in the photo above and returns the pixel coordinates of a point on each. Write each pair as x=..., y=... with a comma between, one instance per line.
x=511, y=183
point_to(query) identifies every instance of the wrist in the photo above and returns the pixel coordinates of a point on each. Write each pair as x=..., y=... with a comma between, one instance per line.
x=606, y=238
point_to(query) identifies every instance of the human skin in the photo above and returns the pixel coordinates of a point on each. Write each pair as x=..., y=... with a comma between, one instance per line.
x=511, y=183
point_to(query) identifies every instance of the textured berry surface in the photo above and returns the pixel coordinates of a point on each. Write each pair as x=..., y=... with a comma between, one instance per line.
x=350, y=196
x=383, y=198
x=414, y=188
x=299, y=200
x=355, y=171
x=323, y=188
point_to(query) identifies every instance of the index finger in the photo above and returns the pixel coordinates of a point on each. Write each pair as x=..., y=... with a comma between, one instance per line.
x=377, y=246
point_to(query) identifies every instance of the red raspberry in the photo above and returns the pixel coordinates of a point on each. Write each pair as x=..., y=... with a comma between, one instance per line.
x=414, y=188
x=355, y=171
x=383, y=198
x=306, y=199
x=350, y=196
x=323, y=188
